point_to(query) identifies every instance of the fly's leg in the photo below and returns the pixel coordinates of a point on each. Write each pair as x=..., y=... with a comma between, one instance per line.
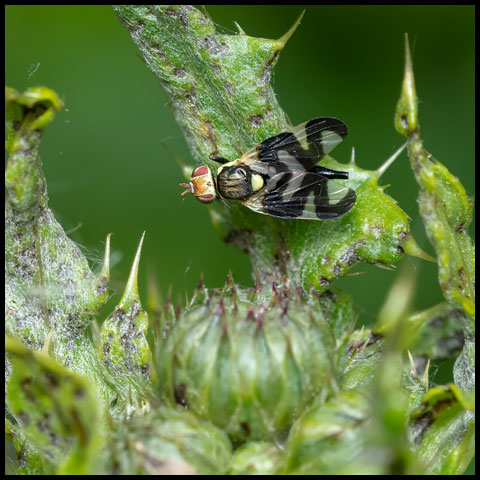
x=217, y=158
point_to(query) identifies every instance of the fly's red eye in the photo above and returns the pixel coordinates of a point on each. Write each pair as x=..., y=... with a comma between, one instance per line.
x=207, y=198
x=202, y=170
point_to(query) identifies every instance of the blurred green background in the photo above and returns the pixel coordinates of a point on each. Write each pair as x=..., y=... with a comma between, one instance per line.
x=107, y=168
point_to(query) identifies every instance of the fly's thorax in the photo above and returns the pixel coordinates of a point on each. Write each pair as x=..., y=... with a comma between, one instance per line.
x=238, y=181
x=202, y=184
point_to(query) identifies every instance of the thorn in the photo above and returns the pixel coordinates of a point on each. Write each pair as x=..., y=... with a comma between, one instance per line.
x=413, y=369
x=211, y=294
x=389, y=268
x=275, y=295
x=240, y=29
x=178, y=310
x=363, y=345
x=46, y=344
x=406, y=113
x=220, y=308
x=282, y=41
x=362, y=330
x=131, y=290
x=411, y=247
x=285, y=286
x=258, y=285
x=233, y=292
x=200, y=282
x=354, y=274
x=251, y=313
x=259, y=318
x=383, y=168
x=105, y=273
x=355, y=344
x=425, y=376
x=298, y=286
x=352, y=157
x=74, y=229
x=230, y=280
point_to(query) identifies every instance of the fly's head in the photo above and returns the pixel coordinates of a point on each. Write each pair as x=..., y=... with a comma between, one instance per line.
x=201, y=184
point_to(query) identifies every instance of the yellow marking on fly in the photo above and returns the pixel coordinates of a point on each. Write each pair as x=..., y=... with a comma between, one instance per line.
x=257, y=182
x=229, y=164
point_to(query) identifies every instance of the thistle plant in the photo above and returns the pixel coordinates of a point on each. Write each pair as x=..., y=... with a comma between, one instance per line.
x=279, y=378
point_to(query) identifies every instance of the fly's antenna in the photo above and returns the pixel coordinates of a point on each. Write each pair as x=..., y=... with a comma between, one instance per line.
x=188, y=188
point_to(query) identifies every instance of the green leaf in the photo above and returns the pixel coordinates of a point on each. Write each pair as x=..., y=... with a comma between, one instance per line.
x=56, y=409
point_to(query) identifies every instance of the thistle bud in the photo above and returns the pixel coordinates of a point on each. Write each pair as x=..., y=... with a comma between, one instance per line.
x=248, y=365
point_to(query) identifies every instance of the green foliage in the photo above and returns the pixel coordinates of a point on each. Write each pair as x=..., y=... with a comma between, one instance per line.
x=283, y=364
x=165, y=441
x=57, y=410
x=328, y=434
x=444, y=430
x=256, y=458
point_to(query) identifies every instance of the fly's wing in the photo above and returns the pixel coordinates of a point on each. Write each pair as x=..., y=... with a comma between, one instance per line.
x=302, y=147
x=293, y=189
x=306, y=195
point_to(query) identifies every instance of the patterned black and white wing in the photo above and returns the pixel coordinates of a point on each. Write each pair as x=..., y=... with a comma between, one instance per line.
x=302, y=147
x=294, y=187
x=306, y=195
